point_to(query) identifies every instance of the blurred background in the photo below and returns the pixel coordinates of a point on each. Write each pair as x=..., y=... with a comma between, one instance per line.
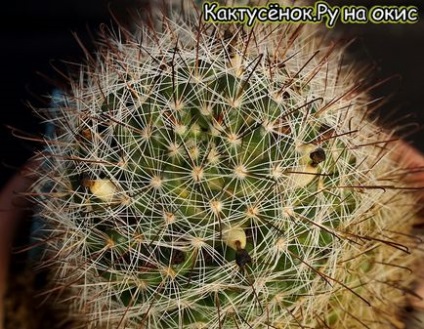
x=38, y=35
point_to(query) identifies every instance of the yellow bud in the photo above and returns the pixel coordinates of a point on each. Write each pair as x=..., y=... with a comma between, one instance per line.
x=302, y=176
x=103, y=189
x=234, y=237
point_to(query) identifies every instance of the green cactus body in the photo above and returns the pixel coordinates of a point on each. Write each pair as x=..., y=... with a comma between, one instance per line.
x=218, y=176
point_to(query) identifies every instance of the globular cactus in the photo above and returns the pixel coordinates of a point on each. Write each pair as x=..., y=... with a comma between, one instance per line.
x=206, y=175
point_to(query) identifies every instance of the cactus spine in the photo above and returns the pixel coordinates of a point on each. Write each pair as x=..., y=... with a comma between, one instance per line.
x=219, y=176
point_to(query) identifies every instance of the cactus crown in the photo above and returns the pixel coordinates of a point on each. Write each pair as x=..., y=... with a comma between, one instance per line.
x=219, y=176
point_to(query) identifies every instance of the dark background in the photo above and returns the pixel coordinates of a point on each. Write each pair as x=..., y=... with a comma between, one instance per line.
x=38, y=33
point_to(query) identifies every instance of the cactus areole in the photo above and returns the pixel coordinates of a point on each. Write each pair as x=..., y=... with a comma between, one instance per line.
x=209, y=175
